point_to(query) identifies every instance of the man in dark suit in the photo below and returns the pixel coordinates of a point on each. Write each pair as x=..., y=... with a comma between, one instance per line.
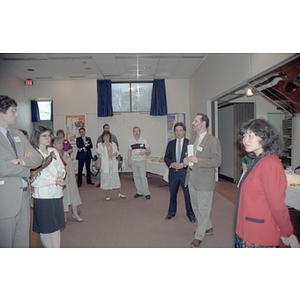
x=17, y=157
x=174, y=156
x=84, y=156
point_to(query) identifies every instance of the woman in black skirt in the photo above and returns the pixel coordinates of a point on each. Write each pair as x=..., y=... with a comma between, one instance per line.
x=48, y=212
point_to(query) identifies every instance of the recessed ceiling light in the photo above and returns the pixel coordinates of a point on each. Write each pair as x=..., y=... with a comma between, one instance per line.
x=84, y=62
x=147, y=67
x=89, y=68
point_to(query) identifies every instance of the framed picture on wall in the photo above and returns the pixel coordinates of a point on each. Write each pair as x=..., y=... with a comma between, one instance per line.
x=73, y=123
x=172, y=119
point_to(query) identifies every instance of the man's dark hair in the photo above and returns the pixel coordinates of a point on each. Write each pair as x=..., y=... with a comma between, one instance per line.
x=205, y=118
x=6, y=102
x=180, y=124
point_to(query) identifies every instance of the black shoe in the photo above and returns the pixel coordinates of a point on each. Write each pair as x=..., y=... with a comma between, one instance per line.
x=169, y=217
x=192, y=219
x=148, y=197
x=98, y=185
x=79, y=184
x=137, y=195
x=91, y=183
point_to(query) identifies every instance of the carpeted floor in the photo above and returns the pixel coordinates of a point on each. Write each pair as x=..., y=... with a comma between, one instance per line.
x=140, y=223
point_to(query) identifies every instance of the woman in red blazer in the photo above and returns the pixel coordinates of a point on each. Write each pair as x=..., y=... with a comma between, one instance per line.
x=261, y=216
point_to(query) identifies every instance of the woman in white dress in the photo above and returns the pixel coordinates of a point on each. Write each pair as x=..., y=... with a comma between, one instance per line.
x=48, y=212
x=109, y=165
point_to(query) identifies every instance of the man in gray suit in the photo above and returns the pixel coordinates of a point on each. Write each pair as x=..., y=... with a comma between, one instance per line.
x=201, y=175
x=17, y=157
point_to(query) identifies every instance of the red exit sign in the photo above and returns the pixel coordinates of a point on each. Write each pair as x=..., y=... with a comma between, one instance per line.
x=28, y=82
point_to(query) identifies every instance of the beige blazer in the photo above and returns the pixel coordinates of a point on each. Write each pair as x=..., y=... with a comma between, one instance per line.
x=11, y=187
x=209, y=157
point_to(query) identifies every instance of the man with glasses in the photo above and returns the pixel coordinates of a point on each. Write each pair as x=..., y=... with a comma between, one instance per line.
x=17, y=157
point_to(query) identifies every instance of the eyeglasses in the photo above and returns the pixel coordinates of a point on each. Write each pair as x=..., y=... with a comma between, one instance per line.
x=13, y=110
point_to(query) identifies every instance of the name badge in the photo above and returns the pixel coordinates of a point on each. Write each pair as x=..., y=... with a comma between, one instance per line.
x=17, y=139
x=199, y=149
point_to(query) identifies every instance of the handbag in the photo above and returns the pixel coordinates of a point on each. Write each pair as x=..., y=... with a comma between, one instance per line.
x=98, y=163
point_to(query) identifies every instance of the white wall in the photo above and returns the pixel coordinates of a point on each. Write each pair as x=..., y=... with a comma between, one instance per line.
x=220, y=73
x=14, y=88
x=71, y=97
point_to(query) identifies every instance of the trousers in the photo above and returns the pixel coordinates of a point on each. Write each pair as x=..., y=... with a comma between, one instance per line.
x=15, y=231
x=139, y=176
x=201, y=204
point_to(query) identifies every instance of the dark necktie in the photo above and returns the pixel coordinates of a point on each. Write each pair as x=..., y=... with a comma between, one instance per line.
x=14, y=148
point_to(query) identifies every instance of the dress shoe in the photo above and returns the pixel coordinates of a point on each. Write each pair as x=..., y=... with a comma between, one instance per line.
x=98, y=185
x=91, y=183
x=148, y=197
x=79, y=185
x=121, y=196
x=137, y=195
x=169, y=217
x=107, y=198
x=77, y=218
x=195, y=243
x=192, y=219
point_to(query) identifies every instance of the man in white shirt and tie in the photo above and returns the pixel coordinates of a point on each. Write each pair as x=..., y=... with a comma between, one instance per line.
x=175, y=153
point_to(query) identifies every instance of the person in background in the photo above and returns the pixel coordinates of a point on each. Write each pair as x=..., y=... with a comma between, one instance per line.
x=71, y=194
x=48, y=212
x=113, y=137
x=137, y=151
x=261, y=217
x=67, y=146
x=25, y=133
x=201, y=176
x=84, y=156
x=247, y=161
x=17, y=157
x=175, y=153
x=108, y=151
x=297, y=170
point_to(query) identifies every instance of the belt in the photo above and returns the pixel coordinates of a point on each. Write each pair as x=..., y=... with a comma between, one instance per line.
x=25, y=189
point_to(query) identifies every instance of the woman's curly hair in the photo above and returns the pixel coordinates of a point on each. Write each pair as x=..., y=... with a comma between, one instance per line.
x=271, y=139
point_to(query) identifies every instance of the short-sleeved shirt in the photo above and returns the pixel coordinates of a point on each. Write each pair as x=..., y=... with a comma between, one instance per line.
x=136, y=146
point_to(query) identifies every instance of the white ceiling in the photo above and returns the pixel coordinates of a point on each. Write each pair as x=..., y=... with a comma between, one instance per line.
x=114, y=66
